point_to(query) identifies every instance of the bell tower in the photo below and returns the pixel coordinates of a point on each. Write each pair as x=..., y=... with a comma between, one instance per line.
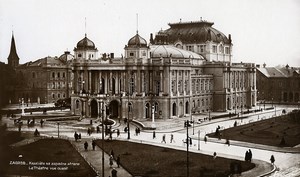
x=13, y=58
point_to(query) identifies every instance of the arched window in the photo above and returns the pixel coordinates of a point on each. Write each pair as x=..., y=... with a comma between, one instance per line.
x=155, y=107
x=77, y=104
x=113, y=86
x=157, y=88
x=173, y=86
x=131, y=89
x=187, y=107
x=180, y=86
x=130, y=107
x=174, y=109
x=53, y=75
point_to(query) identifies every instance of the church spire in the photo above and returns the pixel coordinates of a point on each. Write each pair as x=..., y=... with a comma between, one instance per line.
x=13, y=58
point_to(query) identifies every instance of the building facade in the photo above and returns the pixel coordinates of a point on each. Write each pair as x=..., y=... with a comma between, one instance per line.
x=278, y=85
x=45, y=80
x=163, y=78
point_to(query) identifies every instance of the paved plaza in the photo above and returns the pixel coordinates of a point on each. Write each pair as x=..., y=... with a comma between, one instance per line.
x=287, y=159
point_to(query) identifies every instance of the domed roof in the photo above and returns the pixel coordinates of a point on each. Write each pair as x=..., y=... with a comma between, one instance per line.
x=66, y=56
x=166, y=51
x=195, y=32
x=86, y=43
x=137, y=41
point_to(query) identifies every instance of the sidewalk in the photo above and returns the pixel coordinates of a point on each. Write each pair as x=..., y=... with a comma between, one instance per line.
x=94, y=158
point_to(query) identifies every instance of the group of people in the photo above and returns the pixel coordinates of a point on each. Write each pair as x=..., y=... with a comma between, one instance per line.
x=137, y=131
x=248, y=156
x=86, y=145
x=164, y=138
x=77, y=136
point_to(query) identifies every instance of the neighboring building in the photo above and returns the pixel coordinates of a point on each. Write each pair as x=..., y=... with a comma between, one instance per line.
x=8, y=75
x=171, y=80
x=278, y=85
x=13, y=58
x=7, y=82
x=45, y=80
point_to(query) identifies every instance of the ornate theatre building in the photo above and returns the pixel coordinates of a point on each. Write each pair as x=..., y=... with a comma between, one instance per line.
x=185, y=69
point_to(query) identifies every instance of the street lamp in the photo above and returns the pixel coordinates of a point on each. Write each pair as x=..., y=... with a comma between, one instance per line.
x=83, y=91
x=57, y=129
x=198, y=139
x=187, y=122
x=20, y=156
x=153, y=121
x=128, y=127
x=102, y=142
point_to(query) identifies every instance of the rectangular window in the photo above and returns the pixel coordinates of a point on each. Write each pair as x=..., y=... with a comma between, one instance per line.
x=202, y=48
x=214, y=47
x=221, y=49
x=226, y=50
x=131, y=54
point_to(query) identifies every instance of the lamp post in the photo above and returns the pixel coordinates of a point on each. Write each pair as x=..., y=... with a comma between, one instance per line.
x=83, y=91
x=57, y=129
x=128, y=128
x=187, y=148
x=20, y=157
x=153, y=121
x=102, y=142
x=272, y=102
x=198, y=139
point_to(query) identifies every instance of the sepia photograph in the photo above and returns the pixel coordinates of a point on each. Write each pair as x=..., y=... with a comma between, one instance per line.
x=140, y=88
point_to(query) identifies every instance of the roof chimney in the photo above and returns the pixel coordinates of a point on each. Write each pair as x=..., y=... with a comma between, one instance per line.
x=264, y=65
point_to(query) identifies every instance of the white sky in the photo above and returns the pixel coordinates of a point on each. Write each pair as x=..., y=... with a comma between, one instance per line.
x=262, y=30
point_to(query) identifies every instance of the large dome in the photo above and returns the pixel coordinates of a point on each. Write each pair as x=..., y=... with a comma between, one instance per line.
x=85, y=43
x=166, y=51
x=137, y=41
x=195, y=32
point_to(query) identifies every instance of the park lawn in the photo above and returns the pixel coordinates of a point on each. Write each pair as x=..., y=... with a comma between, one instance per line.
x=148, y=160
x=268, y=132
x=52, y=151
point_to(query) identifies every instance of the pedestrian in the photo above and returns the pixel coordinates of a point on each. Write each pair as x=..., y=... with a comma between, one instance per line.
x=191, y=142
x=93, y=144
x=118, y=161
x=98, y=129
x=136, y=131
x=205, y=139
x=246, y=156
x=79, y=136
x=89, y=131
x=114, y=172
x=163, y=138
x=139, y=130
x=172, y=138
x=118, y=132
x=227, y=142
x=110, y=135
x=112, y=153
x=41, y=121
x=36, y=132
x=272, y=159
x=86, y=145
x=76, y=136
x=250, y=155
x=214, y=155
x=111, y=162
x=154, y=136
x=235, y=124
